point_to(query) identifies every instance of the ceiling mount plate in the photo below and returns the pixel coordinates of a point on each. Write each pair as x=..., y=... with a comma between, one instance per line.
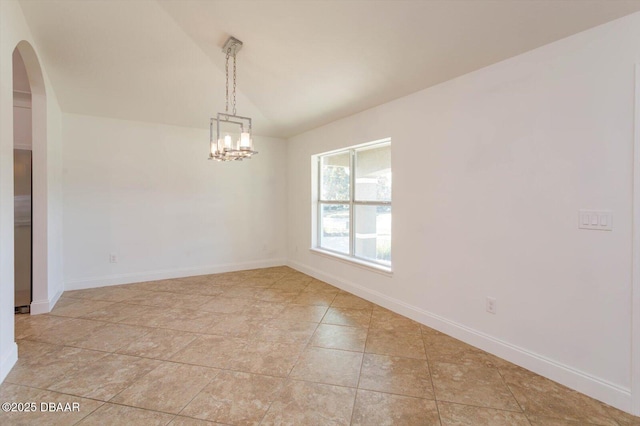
x=232, y=43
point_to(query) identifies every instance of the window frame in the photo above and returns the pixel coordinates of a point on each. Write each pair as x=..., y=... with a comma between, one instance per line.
x=352, y=203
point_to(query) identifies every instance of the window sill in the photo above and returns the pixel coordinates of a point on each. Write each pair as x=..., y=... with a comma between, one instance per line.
x=380, y=269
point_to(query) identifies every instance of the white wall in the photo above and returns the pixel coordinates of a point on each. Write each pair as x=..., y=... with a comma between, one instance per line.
x=54, y=209
x=148, y=194
x=48, y=286
x=489, y=172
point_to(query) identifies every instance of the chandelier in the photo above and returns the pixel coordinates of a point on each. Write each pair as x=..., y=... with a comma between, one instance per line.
x=233, y=141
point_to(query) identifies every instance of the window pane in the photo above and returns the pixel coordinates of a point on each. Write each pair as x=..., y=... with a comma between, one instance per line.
x=334, y=227
x=373, y=233
x=334, y=179
x=373, y=173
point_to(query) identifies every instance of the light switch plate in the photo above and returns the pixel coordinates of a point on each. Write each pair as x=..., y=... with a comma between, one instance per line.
x=601, y=220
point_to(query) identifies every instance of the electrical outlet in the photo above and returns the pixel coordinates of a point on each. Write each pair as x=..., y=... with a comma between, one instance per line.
x=113, y=258
x=491, y=305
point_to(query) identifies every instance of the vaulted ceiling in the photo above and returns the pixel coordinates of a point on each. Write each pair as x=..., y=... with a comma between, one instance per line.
x=303, y=64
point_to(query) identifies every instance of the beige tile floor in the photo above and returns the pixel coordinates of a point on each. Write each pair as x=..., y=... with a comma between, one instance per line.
x=269, y=346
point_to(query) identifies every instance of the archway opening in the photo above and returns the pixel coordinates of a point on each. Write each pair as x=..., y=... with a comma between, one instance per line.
x=30, y=137
x=22, y=185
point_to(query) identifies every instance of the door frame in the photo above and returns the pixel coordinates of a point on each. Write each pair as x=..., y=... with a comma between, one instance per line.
x=42, y=299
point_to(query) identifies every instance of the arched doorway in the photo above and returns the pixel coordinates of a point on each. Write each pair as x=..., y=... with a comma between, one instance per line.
x=22, y=150
x=40, y=297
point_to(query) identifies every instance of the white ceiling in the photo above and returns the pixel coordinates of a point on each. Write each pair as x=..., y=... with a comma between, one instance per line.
x=304, y=63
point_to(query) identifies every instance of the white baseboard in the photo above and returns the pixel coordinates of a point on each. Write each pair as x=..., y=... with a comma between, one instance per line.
x=44, y=306
x=594, y=387
x=168, y=274
x=8, y=360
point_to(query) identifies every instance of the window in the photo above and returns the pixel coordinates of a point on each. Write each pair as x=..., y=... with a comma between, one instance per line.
x=354, y=203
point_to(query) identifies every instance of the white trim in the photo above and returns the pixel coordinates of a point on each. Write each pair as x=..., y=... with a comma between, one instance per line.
x=8, y=361
x=380, y=142
x=594, y=387
x=21, y=99
x=26, y=145
x=168, y=274
x=635, y=274
x=44, y=306
x=354, y=261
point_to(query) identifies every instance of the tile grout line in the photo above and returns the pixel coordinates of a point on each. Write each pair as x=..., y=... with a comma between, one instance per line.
x=526, y=416
x=198, y=393
x=433, y=388
x=355, y=399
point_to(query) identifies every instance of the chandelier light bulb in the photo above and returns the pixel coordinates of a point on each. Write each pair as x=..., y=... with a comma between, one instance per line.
x=245, y=140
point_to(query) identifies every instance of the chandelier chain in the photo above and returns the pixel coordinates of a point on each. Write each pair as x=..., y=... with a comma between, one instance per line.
x=226, y=71
x=234, y=83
